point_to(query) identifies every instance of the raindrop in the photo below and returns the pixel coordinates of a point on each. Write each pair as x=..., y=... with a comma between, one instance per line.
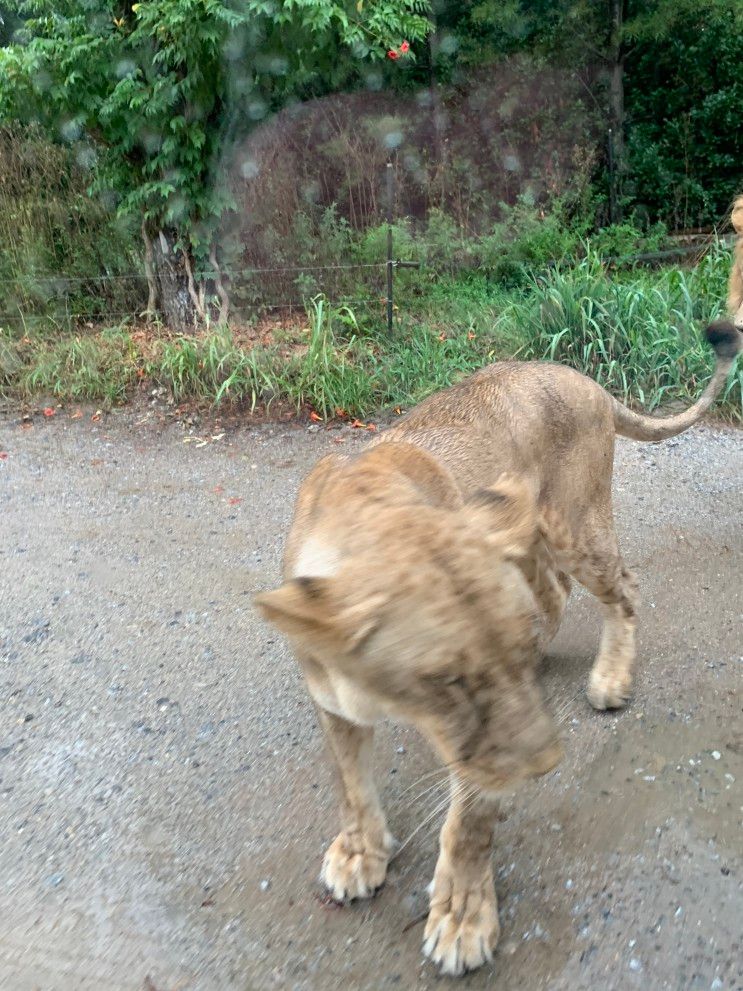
x=71, y=130
x=249, y=168
x=448, y=44
x=256, y=109
x=126, y=67
x=86, y=157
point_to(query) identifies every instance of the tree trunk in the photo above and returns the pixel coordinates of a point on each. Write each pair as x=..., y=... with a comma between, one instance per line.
x=179, y=303
x=149, y=271
x=173, y=291
x=616, y=105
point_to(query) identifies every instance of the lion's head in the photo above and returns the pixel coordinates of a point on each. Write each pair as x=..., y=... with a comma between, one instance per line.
x=436, y=622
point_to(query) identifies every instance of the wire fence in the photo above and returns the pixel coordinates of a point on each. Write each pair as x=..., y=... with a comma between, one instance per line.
x=46, y=296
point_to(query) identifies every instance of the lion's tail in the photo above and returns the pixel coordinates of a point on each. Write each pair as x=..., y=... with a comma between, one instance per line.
x=726, y=342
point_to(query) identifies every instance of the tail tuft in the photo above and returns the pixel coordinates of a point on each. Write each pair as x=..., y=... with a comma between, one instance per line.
x=725, y=339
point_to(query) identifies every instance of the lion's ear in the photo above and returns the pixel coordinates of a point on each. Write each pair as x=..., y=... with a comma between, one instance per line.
x=313, y=612
x=508, y=512
x=736, y=216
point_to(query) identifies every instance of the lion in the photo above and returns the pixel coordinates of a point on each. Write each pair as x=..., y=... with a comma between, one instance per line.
x=423, y=577
x=735, y=285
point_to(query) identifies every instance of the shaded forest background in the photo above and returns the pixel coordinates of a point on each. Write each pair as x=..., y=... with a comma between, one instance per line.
x=515, y=130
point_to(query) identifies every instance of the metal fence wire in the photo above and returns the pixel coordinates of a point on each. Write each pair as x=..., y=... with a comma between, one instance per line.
x=258, y=289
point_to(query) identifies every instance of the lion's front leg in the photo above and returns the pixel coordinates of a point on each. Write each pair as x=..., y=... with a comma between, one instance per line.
x=462, y=928
x=355, y=863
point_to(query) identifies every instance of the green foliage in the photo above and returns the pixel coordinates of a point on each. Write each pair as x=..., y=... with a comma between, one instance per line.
x=81, y=368
x=62, y=252
x=159, y=88
x=526, y=238
x=684, y=97
x=636, y=333
x=637, y=337
x=623, y=241
x=683, y=89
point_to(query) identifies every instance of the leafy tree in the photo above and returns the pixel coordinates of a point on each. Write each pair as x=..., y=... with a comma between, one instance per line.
x=156, y=90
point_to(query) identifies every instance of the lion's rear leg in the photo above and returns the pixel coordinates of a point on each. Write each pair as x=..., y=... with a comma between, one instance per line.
x=600, y=569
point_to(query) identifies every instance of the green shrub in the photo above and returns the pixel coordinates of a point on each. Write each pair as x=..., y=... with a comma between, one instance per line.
x=64, y=256
x=528, y=237
x=636, y=337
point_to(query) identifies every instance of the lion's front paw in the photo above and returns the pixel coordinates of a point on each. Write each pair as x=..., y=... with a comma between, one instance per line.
x=462, y=928
x=354, y=869
x=609, y=689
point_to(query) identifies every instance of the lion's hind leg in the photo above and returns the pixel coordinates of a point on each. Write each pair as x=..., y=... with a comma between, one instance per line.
x=600, y=569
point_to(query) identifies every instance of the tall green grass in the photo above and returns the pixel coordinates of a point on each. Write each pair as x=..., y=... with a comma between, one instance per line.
x=637, y=334
x=639, y=337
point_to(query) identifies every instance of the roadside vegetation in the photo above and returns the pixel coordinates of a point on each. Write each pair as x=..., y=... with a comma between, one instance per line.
x=636, y=332
x=194, y=197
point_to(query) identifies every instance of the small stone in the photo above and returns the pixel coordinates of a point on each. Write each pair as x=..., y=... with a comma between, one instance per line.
x=265, y=884
x=715, y=985
x=716, y=755
x=401, y=750
x=569, y=884
x=635, y=964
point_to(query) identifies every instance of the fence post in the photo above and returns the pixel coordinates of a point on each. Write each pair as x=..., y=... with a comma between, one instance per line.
x=612, y=180
x=390, y=262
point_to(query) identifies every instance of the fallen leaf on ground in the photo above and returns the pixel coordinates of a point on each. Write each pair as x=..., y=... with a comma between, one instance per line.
x=218, y=489
x=315, y=417
x=371, y=426
x=442, y=336
x=470, y=336
x=95, y=462
x=234, y=501
x=96, y=416
x=217, y=436
x=3, y=455
x=358, y=424
x=49, y=411
x=77, y=415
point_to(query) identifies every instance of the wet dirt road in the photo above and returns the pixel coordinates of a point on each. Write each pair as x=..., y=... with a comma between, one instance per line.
x=164, y=796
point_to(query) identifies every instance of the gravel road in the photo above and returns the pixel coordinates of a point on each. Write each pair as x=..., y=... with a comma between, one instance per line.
x=164, y=796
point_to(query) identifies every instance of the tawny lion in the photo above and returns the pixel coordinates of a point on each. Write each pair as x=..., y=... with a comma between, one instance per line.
x=423, y=576
x=735, y=286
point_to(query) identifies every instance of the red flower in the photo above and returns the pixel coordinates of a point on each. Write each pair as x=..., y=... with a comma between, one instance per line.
x=404, y=47
x=48, y=411
x=392, y=54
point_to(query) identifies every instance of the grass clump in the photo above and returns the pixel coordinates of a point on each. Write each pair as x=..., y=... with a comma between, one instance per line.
x=636, y=333
x=637, y=337
x=100, y=368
